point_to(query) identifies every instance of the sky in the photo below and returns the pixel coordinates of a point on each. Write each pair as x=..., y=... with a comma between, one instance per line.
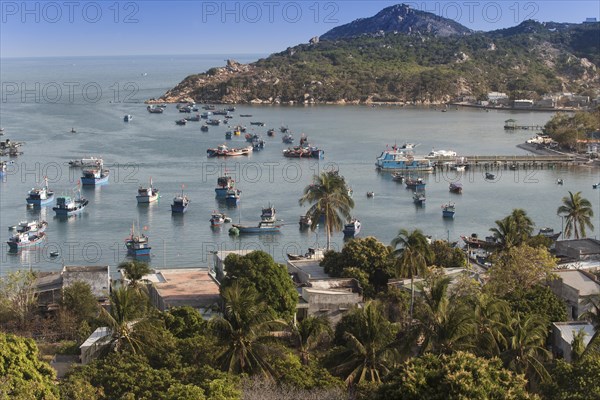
x=148, y=27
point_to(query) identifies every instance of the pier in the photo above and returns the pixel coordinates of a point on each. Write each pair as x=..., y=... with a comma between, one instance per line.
x=513, y=162
x=511, y=125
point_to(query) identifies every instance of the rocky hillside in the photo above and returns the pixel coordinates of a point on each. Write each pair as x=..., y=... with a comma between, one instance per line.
x=402, y=55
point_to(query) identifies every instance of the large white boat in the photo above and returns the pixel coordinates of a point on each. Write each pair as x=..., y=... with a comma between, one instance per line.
x=40, y=196
x=441, y=153
x=87, y=162
x=397, y=159
x=147, y=194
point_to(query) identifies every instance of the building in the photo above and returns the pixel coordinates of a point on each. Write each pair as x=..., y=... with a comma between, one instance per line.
x=193, y=287
x=330, y=298
x=497, y=97
x=92, y=344
x=574, y=287
x=563, y=334
x=523, y=103
x=49, y=285
x=579, y=249
x=307, y=268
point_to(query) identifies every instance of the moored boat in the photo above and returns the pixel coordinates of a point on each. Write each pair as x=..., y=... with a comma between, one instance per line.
x=20, y=240
x=398, y=177
x=182, y=121
x=224, y=183
x=288, y=138
x=257, y=123
x=490, y=176
x=204, y=128
x=224, y=151
x=147, y=194
x=127, y=118
x=448, y=210
x=419, y=198
x=180, y=203
x=456, y=187
x=31, y=227
x=66, y=205
x=352, y=228
x=268, y=214
x=137, y=244
x=95, y=176
x=303, y=152
x=271, y=132
x=232, y=197
x=262, y=227
x=217, y=219
x=153, y=109
x=549, y=233
x=40, y=196
x=398, y=159
x=305, y=221
x=415, y=184
x=87, y=162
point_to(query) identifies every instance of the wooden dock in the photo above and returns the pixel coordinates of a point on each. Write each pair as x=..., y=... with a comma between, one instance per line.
x=511, y=125
x=510, y=162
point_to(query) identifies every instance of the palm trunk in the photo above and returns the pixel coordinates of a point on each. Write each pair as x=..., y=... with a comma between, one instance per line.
x=328, y=237
x=412, y=296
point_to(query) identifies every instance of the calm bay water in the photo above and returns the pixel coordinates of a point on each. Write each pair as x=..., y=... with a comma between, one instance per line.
x=105, y=89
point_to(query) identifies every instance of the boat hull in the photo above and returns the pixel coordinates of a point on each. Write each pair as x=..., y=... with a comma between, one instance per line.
x=19, y=245
x=65, y=212
x=40, y=202
x=447, y=214
x=146, y=199
x=94, y=181
x=221, y=192
x=257, y=230
x=145, y=252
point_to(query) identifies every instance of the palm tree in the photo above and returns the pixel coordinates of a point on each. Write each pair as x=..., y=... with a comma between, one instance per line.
x=513, y=230
x=413, y=255
x=243, y=329
x=593, y=315
x=579, y=213
x=329, y=200
x=134, y=271
x=444, y=325
x=524, y=351
x=126, y=319
x=369, y=352
x=491, y=316
x=307, y=334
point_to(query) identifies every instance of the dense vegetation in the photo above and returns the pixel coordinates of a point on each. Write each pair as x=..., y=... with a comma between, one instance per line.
x=526, y=61
x=567, y=129
x=437, y=338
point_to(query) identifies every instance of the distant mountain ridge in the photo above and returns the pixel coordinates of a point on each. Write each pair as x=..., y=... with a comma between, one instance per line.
x=398, y=18
x=403, y=55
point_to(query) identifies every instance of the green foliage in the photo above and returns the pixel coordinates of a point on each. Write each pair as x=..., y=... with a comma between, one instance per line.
x=537, y=300
x=566, y=129
x=17, y=297
x=184, y=322
x=79, y=299
x=22, y=374
x=519, y=267
x=513, y=230
x=269, y=280
x=576, y=381
x=134, y=270
x=446, y=256
x=360, y=258
x=457, y=376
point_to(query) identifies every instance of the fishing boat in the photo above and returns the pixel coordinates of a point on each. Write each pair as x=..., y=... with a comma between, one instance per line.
x=549, y=233
x=224, y=183
x=370, y=195
x=559, y=181
x=284, y=129
x=95, y=176
x=250, y=137
x=352, y=228
x=66, y=205
x=305, y=221
x=182, y=121
x=152, y=109
x=490, y=176
x=596, y=185
x=147, y=194
x=448, y=210
x=288, y=138
x=271, y=132
x=40, y=196
x=73, y=130
x=268, y=214
x=127, y=118
x=258, y=144
x=213, y=122
x=180, y=203
x=419, y=198
x=257, y=123
x=195, y=118
x=204, y=128
x=87, y=162
x=217, y=219
x=456, y=187
x=303, y=152
x=20, y=240
x=137, y=244
x=262, y=227
x=415, y=184
x=398, y=177
x=4, y=167
x=232, y=197
x=245, y=115
x=441, y=153
x=398, y=159
x=31, y=227
x=224, y=151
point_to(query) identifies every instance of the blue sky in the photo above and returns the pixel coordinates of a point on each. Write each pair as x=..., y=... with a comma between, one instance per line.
x=88, y=28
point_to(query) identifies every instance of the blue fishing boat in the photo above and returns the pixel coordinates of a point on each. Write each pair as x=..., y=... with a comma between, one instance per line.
x=40, y=196
x=232, y=197
x=262, y=227
x=25, y=239
x=180, y=203
x=415, y=184
x=137, y=245
x=399, y=159
x=95, y=176
x=66, y=205
x=268, y=214
x=448, y=210
x=419, y=198
x=224, y=183
x=351, y=229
